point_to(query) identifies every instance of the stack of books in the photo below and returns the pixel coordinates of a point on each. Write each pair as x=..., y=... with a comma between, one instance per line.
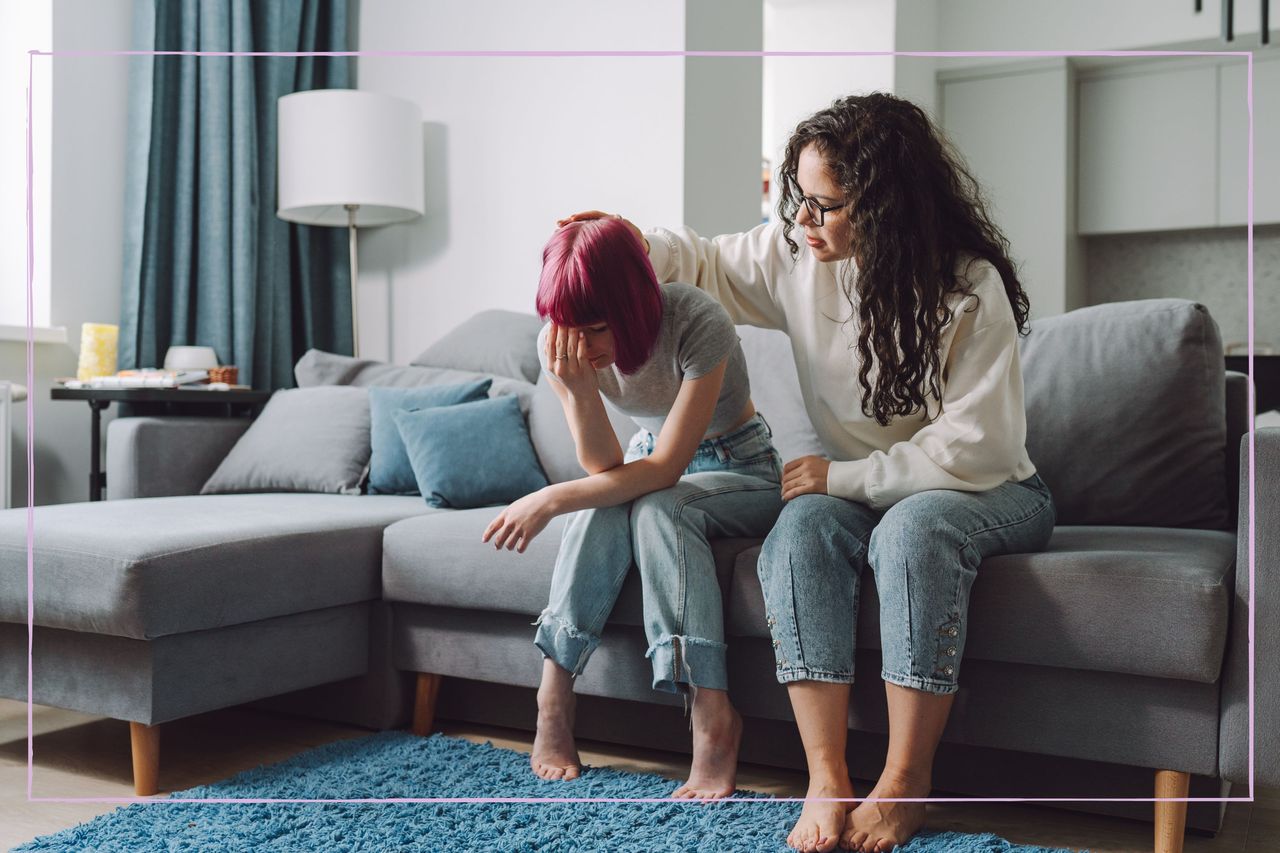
x=145, y=378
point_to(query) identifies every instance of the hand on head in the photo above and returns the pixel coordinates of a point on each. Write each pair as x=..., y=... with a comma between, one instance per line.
x=600, y=214
x=567, y=360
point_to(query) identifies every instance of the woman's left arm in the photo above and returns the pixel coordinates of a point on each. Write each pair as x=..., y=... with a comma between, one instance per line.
x=975, y=444
x=681, y=434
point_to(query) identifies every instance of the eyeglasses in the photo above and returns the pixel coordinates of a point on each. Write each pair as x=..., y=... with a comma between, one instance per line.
x=816, y=211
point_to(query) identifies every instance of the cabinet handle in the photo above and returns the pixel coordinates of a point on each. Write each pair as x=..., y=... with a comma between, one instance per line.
x=1266, y=21
x=1228, y=20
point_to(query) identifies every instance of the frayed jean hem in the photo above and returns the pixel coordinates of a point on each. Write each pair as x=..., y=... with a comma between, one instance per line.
x=926, y=685
x=565, y=643
x=786, y=675
x=700, y=663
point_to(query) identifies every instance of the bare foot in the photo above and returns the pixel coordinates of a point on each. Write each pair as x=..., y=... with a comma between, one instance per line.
x=717, y=731
x=555, y=755
x=876, y=827
x=820, y=824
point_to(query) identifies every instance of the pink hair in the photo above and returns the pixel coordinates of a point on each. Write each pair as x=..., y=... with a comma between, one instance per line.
x=596, y=271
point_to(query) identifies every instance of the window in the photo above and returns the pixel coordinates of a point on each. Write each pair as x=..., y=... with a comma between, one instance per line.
x=27, y=26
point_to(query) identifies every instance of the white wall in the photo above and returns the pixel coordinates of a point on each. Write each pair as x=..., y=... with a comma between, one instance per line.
x=795, y=87
x=513, y=144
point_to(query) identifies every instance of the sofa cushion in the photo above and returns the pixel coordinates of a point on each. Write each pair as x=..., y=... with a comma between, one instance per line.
x=471, y=454
x=150, y=567
x=389, y=470
x=438, y=559
x=775, y=390
x=500, y=342
x=317, y=367
x=1138, y=601
x=1125, y=414
x=305, y=440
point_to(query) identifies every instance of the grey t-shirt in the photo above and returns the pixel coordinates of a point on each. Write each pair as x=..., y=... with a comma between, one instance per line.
x=695, y=336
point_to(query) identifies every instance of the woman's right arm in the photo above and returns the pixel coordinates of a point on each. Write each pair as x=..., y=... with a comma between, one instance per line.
x=740, y=270
x=593, y=436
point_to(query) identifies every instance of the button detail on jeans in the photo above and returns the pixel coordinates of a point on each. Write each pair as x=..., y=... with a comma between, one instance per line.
x=948, y=670
x=951, y=651
x=954, y=632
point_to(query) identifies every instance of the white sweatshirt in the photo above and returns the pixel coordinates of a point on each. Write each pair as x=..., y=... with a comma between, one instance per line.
x=977, y=441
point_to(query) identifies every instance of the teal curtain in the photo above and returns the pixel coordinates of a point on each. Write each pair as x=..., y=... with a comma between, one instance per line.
x=206, y=260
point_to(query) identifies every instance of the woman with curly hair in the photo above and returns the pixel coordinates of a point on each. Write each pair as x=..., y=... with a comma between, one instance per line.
x=904, y=312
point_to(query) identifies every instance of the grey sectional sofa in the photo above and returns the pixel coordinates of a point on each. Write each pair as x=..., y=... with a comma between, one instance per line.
x=1119, y=653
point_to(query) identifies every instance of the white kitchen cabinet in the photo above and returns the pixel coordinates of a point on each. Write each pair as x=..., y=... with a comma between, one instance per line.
x=1022, y=158
x=1148, y=139
x=1233, y=175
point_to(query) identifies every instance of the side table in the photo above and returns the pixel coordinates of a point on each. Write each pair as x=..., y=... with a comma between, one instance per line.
x=152, y=401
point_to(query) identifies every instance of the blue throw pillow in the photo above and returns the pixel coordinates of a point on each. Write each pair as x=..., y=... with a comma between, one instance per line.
x=471, y=454
x=389, y=470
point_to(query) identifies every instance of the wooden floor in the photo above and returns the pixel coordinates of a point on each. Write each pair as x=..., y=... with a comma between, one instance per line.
x=82, y=756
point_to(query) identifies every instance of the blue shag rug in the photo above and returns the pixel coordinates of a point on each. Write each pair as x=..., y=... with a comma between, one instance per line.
x=398, y=764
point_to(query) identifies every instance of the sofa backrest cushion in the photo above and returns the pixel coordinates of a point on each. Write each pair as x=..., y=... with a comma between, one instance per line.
x=775, y=391
x=1126, y=413
x=503, y=343
x=317, y=367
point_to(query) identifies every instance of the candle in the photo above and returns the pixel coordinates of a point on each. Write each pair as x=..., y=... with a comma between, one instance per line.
x=97, y=350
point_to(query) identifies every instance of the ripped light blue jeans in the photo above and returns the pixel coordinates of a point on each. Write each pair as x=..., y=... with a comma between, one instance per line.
x=731, y=488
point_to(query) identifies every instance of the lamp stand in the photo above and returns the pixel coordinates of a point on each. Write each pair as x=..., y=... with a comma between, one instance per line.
x=355, y=267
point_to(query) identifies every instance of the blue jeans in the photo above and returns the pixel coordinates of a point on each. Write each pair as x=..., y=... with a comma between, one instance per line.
x=731, y=488
x=924, y=552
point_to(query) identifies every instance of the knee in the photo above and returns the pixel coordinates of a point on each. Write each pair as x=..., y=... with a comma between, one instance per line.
x=667, y=507
x=915, y=530
x=598, y=521
x=808, y=518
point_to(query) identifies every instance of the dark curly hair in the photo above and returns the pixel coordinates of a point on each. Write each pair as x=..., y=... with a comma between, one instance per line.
x=915, y=211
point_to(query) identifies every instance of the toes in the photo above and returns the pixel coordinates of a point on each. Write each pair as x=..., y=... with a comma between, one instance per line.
x=572, y=772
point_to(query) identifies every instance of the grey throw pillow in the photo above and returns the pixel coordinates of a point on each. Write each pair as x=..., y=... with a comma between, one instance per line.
x=317, y=367
x=503, y=343
x=1126, y=413
x=305, y=440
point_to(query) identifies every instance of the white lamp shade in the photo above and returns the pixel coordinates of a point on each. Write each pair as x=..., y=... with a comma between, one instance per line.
x=343, y=146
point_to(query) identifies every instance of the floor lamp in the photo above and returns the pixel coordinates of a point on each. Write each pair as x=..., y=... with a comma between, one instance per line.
x=352, y=158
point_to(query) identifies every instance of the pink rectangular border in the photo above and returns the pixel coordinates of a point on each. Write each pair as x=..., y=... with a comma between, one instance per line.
x=1248, y=55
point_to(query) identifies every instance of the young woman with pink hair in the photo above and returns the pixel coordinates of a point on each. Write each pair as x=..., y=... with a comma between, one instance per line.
x=702, y=465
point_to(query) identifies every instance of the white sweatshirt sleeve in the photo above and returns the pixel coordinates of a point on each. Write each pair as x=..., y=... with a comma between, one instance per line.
x=740, y=270
x=974, y=445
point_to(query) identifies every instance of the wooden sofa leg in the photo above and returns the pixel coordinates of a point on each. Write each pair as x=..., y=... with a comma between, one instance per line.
x=1171, y=818
x=146, y=758
x=424, y=703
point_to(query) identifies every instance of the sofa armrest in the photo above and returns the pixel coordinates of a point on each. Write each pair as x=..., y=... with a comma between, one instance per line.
x=150, y=457
x=1233, y=732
